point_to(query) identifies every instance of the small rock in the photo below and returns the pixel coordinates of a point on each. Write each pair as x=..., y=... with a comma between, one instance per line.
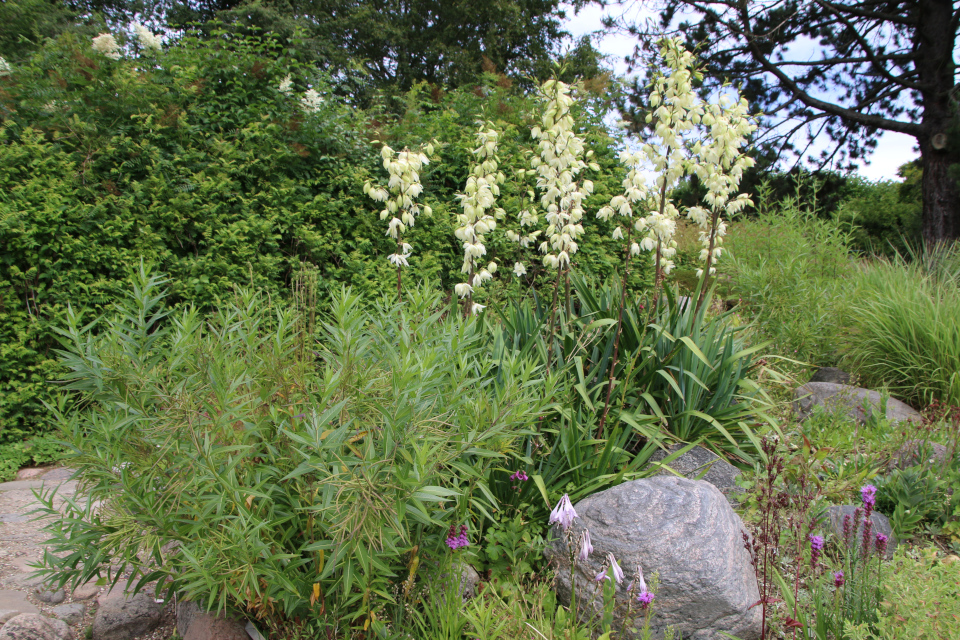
x=122, y=617
x=879, y=523
x=206, y=626
x=59, y=474
x=832, y=375
x=30, y=473
x=913, y=452
x=50, y=596
x=469, y=579
x=686, y=531
x=33, y=626
x=86, y=591
x=13, y=603
x=848, y=400
x=70, y=613
x=186, y=612
x=698, y=460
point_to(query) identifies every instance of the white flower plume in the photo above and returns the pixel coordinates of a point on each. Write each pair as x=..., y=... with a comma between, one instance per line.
x=107, y=45
x=148, y=40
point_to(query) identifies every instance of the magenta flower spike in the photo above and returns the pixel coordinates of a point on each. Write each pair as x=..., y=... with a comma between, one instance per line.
x=838, y=579
x=564, y=513
x=645, y=598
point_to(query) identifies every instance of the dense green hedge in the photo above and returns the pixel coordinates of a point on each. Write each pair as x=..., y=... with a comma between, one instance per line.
x=194, y=161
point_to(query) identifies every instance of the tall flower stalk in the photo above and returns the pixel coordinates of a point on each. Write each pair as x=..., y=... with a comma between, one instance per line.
x=477, y=202
x=562, y=157
x=401, y=208
x=720, y=163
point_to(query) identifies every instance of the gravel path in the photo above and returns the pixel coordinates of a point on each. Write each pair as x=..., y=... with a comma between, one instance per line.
x=21, y=544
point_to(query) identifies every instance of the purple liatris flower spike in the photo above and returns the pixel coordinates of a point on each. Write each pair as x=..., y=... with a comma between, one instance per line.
x=564, y=513
x=868, y=493
x=457, y=539
x=645, y=598
x=838, y=579
x=585, y=547
x=847, y=529
x=816, y=547
x=881, y=544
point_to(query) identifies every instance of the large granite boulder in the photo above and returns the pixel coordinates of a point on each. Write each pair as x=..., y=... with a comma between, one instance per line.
x=702, y=464
x=879, y=523
x=686, y=531
x=850, y=401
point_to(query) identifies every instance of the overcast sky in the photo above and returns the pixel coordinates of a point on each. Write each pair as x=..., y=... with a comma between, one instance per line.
x=893, y=149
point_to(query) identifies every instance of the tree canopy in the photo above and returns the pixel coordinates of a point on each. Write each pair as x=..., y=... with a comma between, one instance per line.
x=844, y=69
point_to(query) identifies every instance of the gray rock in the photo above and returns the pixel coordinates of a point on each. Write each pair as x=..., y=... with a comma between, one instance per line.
x=848, y=400
x=122, y=617
x=253, y=632
x=70, y=613
x=469, y=579
x=32, y=626
x=13, y=603
x=13, y=518
x=698, y=460
x=186, y=612
x=686, y=531
x=913, y=452
x=30, y=473
x=832, y=375
x=50, y=596
x=879, y=523
x=86, y=591
x=60, y=474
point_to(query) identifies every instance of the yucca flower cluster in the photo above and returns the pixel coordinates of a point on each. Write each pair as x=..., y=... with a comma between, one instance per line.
x=403, y=188
x=480, y=214
x=675, y=150
x=5, y=69
x=558, y=166
x=720, y=163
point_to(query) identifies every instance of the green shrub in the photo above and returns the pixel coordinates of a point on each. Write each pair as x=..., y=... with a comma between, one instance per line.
x=792, y=270
x=921, y=599
x=905, y=326
x=882, y=219
x=193, y=160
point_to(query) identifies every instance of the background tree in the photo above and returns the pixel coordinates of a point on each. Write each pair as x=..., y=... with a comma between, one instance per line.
x=844, y=69
x=397, y=42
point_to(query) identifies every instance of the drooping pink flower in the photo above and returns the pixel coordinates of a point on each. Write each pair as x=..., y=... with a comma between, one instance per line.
x=564, y=513
x=585, y=547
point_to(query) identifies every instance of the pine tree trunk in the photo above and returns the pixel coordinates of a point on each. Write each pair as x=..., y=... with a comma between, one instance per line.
x=934, y=39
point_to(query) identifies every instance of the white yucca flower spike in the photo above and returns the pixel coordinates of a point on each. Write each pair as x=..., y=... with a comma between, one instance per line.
x=5, y=69
x=148, y=40
x=479, y=213
x=558, y=166
x=403, y=188
x=106, y=44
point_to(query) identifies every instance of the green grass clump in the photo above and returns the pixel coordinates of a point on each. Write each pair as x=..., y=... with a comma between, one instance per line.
x=792, y=271
x=906, y=327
